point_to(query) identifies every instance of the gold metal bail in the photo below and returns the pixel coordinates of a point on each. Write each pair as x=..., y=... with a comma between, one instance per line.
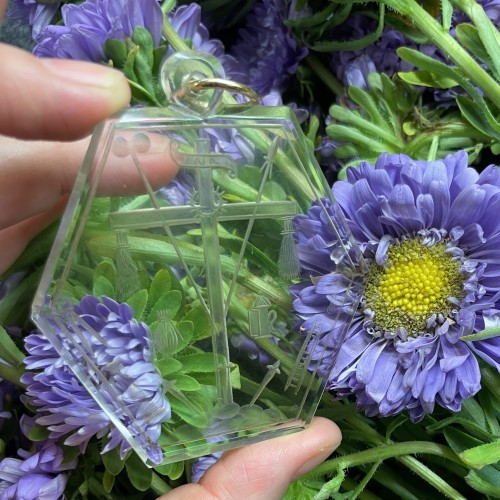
x=197, y=85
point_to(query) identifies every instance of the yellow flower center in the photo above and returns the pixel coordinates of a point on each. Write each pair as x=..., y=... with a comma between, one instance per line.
x=415, y=283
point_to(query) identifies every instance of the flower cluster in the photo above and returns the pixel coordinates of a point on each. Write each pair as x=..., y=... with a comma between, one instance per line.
x=278, y=53
x=40, y=475
x=121, y=351
x=87, y=26
x=429, y=235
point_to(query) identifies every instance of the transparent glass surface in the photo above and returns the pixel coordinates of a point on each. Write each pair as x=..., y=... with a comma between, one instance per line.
x=206, y=259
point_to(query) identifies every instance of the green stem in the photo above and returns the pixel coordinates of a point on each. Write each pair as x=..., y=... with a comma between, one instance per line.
x=11, y=374
x=175, y=41
x=349, y=484
x=383, y=453
x=324, y=74
x=362, y=485
x=431, y=477
x=433, y=29
x=259, y=139
x=159, y=486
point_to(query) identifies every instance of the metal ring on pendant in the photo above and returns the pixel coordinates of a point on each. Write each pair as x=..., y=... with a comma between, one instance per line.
x=223, y=84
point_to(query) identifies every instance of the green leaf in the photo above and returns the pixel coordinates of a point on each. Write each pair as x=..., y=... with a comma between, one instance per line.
x=168, y=366
x=486, y=480
x=468, y=36
x=139, y=474
x=235, y=377
x=69, y=453
x=471, y=427
x=395, y=423
x=473, y=411
x=426, y=79
x=103, y=287
x=186, y=330
x=169, y=302
x=489, y=36
x=446, y=14
x=112, y=461
x=186, y=383
x=106, y=269
x=434, y=66
x=108, y=481
x=331, y=487
x=208, y=378
x=202, y=362
x=358, y=44
x=20, y=296
x=343, y=133
x=116, y=50
x=367, y=102
x=9, y=351
x=303, y=489
x=251, y=175
x=274, y=191
x=472, y=113
x=160, y=284
x=138, y=302
x=144, y=75
x=190, y=411
x=458, y=441
x=482, y=455
x=202, y=325
x=143, y=38
x=173, y=471
x=487, y=333
x=38, y=433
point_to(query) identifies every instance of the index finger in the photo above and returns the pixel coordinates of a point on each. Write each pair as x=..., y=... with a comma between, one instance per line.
x=3, y=6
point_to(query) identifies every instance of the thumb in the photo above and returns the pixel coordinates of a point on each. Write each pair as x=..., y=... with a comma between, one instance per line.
x=54, y=98
x=264, y=470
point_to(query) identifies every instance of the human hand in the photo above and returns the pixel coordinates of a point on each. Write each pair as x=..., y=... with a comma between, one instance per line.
x=51, y=100
x=264, y=470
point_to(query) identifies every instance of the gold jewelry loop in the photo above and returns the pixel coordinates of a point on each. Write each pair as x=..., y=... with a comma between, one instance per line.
x=221, y=83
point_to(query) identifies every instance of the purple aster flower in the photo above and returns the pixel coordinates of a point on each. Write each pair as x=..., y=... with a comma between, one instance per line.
x=430, y=234
x=268, y=52
x=88, y=25
x=33, y=13
x=186, y=21
x=356, y=72
x=201, y=465
x=352, y=67
x=120, y=349
x=179, y=190
x=38, y=476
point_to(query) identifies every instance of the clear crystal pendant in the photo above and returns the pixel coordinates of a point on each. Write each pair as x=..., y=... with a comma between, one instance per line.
x=186, y=213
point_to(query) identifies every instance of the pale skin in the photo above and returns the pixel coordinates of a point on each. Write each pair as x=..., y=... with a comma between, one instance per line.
x=48, y=109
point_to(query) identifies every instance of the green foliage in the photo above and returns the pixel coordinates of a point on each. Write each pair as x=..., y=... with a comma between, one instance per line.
x=139, y=60
x=139, y=474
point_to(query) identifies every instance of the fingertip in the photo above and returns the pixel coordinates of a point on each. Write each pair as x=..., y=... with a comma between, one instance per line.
x=267, y=468
x=108, y=84
x=323, y=436
x=56, y=99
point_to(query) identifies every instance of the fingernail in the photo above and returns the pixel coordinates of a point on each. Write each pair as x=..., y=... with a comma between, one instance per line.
x=96, y=76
